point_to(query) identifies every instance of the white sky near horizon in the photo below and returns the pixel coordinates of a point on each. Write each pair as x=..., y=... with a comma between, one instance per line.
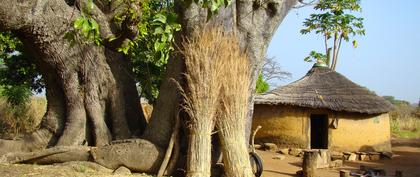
x=387, y=59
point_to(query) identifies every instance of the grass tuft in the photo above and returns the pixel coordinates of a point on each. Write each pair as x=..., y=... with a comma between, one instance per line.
x=405, y=121
x=25, y=118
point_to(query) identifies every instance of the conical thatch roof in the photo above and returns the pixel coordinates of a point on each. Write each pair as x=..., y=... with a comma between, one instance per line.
x=322, y=87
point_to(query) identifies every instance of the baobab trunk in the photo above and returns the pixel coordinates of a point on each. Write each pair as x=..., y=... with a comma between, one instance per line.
x=253, y=22
x=91, y=93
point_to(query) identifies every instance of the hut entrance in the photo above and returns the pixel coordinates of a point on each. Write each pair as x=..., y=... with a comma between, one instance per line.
x=319, y=131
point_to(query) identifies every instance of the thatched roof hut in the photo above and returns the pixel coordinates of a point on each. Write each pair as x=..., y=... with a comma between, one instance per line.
x=316, y=103
x=324, y=88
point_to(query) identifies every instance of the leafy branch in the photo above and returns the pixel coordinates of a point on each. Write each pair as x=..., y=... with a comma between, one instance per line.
x=334, y=24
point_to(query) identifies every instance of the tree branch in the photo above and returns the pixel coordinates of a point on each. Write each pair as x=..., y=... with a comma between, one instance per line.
x=104, y=17
x=271, y=70
x=336, y=53
x=304, y=4
x=14, y=14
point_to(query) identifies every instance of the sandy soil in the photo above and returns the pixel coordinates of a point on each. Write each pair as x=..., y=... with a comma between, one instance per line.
x=69, y=169
x=407, y=160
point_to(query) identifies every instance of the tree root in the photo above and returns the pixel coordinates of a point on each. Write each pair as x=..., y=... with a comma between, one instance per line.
x=138, y=155
x=172, y=142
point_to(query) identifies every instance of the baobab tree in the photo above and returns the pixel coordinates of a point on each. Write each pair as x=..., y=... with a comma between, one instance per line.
x=91, y=93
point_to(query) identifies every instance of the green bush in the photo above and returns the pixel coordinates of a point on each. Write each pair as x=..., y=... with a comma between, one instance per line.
x=15, y=119
x=404, y=121
x=17, y=95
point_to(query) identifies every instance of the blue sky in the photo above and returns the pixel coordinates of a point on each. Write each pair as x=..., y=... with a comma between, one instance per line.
x=387, y=59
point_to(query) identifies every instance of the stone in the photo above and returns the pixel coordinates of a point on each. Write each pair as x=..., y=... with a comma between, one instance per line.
x=300, y=154
x=347, y=153
x=374, y=157
x=257, y=146
x=295, y=151
x=270, y=147
x=346, y=156
x=324, y=159
x=284, y=151
x=279, y=157
x=352, y=157
x=364, y=157
x=336, y=155
x=388, y=155
x=336, y=163
x=122, y=171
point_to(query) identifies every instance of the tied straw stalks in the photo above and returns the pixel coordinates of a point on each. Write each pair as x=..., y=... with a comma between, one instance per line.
x=216, y=93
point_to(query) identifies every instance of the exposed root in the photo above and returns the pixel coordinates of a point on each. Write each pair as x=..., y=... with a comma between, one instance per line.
x=174, y=138
x=139, y=155
x=48, y=156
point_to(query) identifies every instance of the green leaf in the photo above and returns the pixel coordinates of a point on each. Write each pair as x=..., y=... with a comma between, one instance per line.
x=94, y=24
x=86, y=27
x=111, y=38
x=79, y=22
x=159, y=46
x=158, y=30
x=159, y=18
x=214, y=6
x=354, y=43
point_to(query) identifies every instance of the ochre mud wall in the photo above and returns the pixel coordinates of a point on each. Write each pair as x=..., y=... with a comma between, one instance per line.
x=288, y=126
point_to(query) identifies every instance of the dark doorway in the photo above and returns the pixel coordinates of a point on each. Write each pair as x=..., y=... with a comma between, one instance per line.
x=319, y=131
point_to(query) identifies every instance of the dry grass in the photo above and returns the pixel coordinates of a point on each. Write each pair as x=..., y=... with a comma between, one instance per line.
x=231, y=121
x=217, y=75
x=405, y=122
x=22, y=119
x=202, y=54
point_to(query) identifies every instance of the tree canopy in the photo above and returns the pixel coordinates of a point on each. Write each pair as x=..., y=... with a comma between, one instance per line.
x=334, y=23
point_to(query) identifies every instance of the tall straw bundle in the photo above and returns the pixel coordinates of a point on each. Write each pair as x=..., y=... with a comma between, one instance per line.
x=231, y=121
x=202, y=55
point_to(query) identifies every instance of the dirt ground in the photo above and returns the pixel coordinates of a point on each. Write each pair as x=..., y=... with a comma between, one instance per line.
x=69, y=169
x=407, y=159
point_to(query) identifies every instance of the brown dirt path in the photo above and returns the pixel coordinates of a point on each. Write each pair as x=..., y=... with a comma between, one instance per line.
x=407, y=159
x=69, y=169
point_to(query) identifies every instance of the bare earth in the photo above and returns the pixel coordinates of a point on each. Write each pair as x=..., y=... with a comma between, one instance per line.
x=69, y=169
x=407, y=159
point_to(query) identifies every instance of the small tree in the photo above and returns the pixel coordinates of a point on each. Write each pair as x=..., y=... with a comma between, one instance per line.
x=261, y=86
x=335, y=25
x=272, y=71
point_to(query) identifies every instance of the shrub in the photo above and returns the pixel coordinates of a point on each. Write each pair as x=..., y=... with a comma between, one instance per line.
x=22, y=118
x=405, y=121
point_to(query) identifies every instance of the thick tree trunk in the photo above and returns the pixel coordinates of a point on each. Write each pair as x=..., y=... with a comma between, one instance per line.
x=254, y=22
x=91, y=93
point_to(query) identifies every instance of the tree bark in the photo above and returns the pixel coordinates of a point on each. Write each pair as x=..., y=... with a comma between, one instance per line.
x=91, y=93
x=254, y=23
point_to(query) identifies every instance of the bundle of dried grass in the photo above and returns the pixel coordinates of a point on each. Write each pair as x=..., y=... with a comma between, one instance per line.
x=231, y=121
x=203, y=67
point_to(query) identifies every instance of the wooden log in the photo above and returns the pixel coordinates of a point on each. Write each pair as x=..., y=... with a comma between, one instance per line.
x=309, y=163
x=344, y=173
